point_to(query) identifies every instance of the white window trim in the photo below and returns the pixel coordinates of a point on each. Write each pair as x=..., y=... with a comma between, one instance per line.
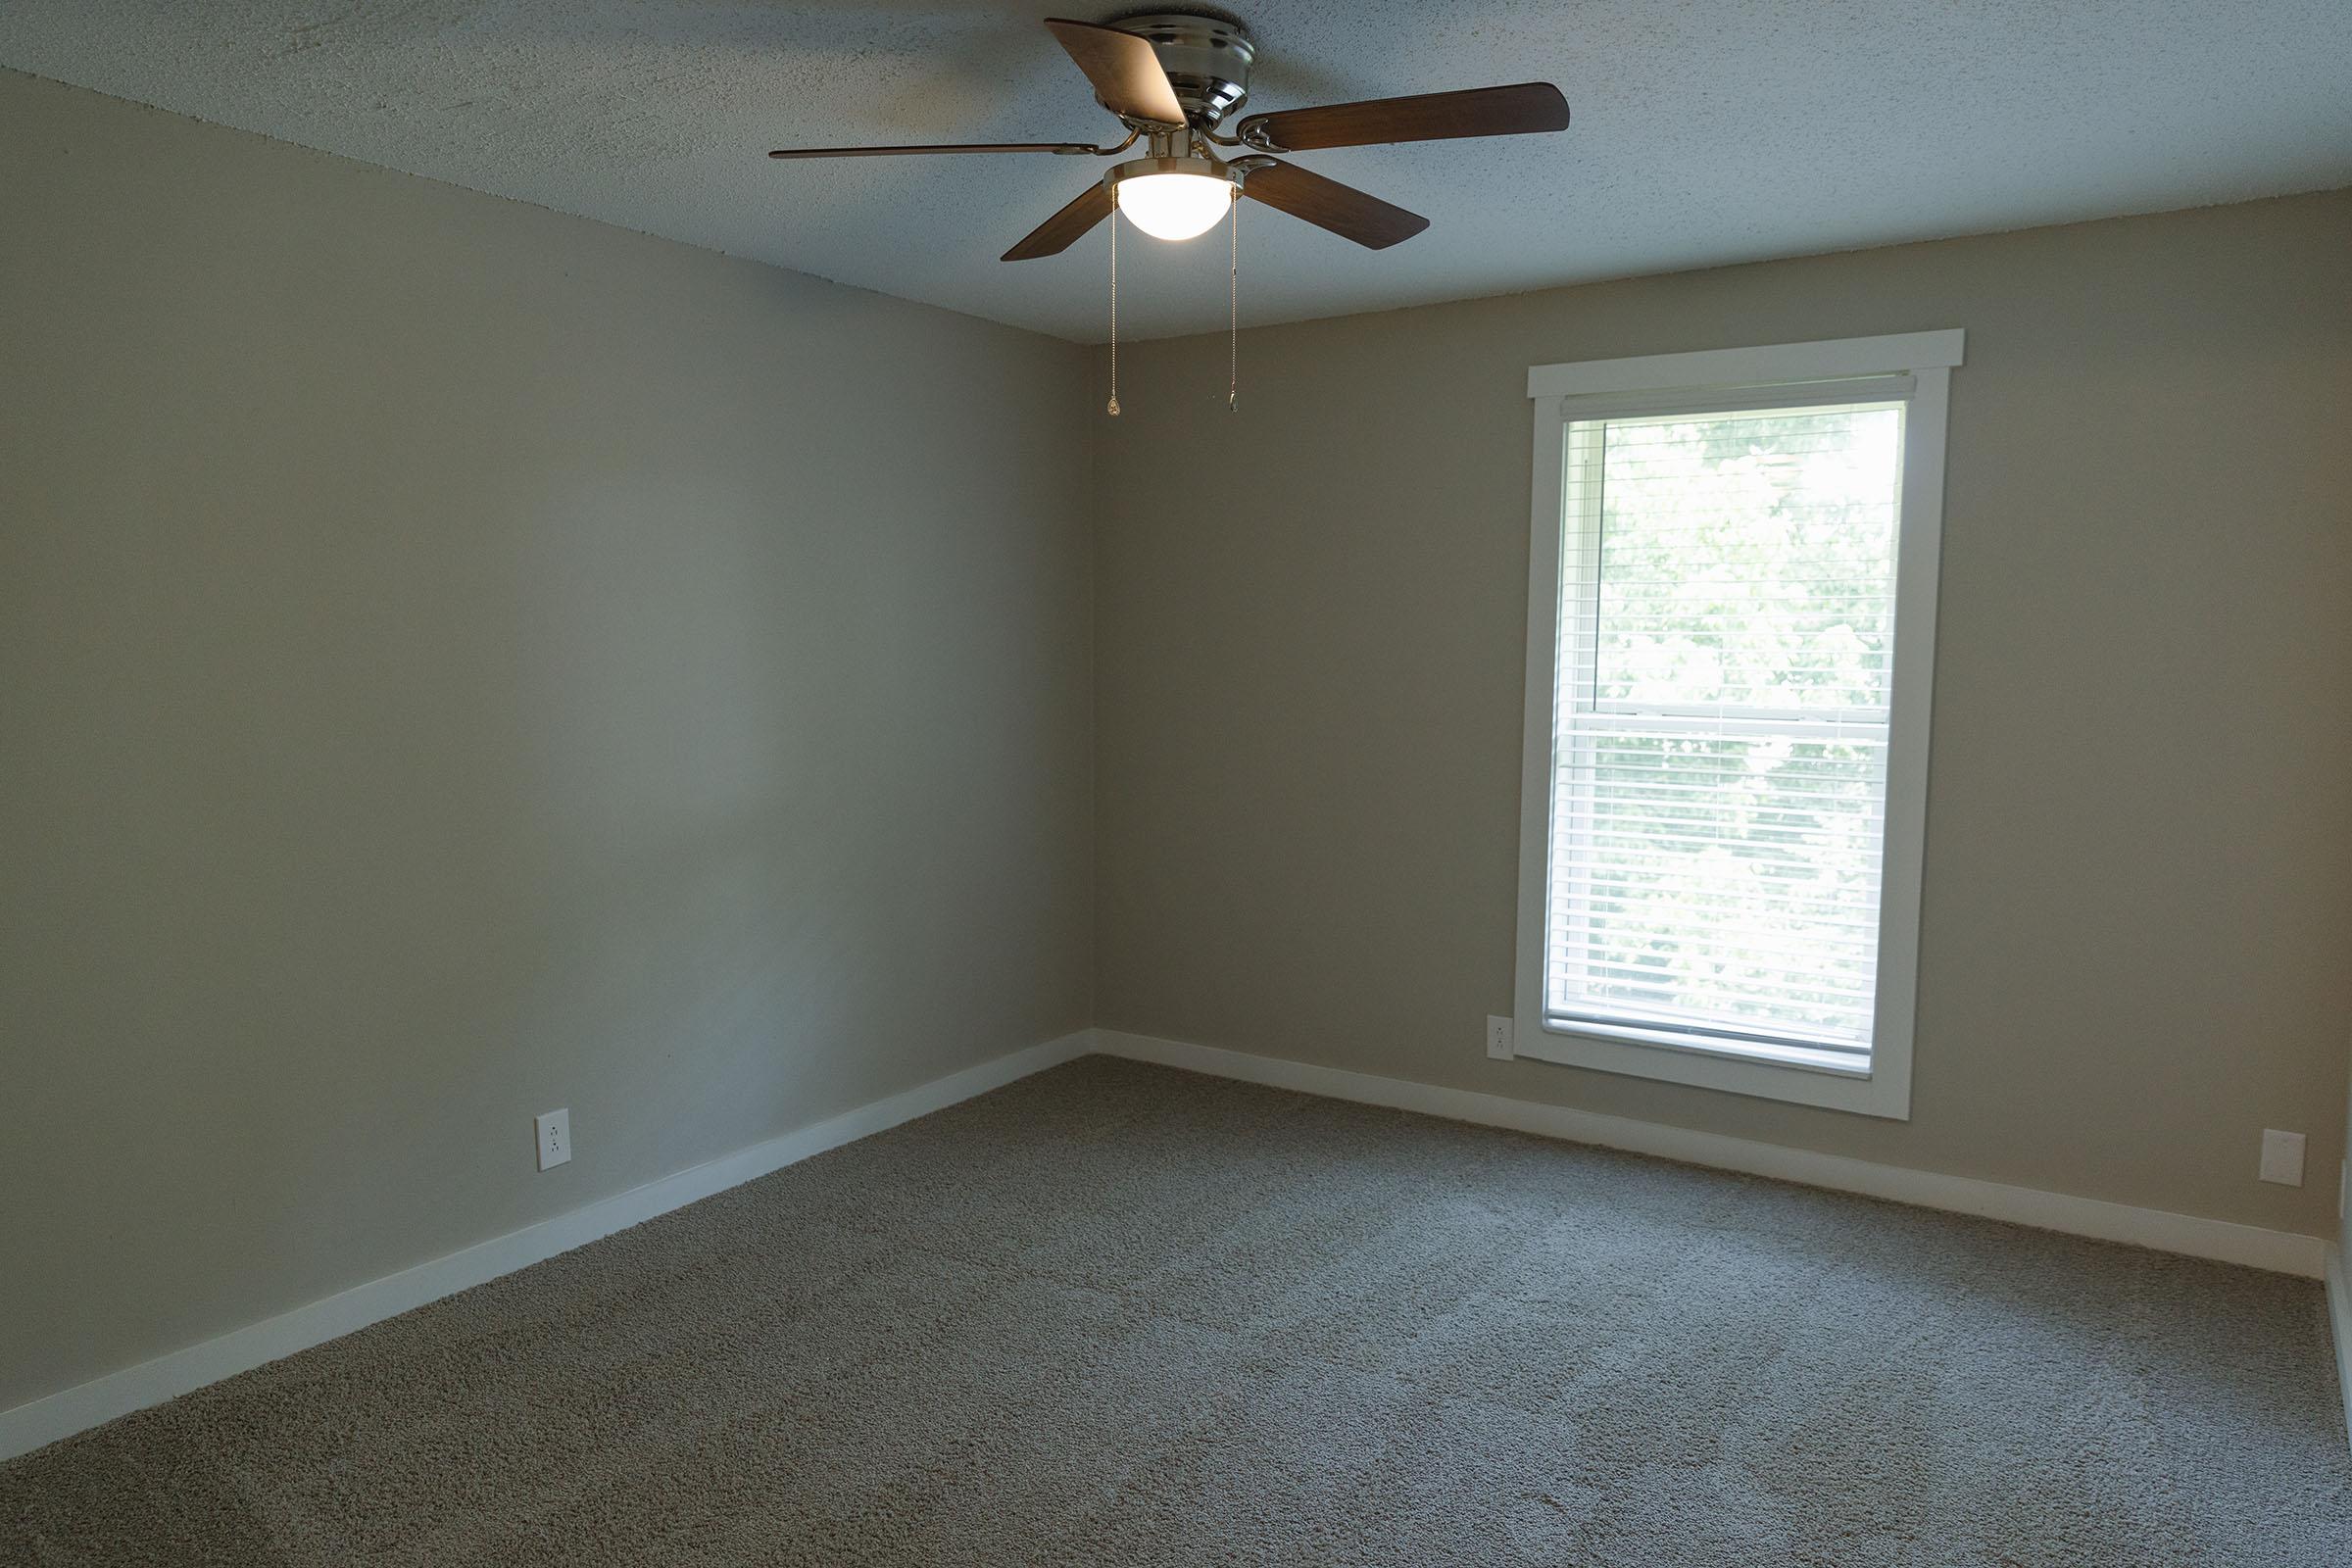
x=1725, y=378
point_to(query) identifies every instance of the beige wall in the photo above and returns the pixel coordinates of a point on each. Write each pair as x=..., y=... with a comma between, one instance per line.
x=458, y=661
x=2139, y=834
x=2340, y=1179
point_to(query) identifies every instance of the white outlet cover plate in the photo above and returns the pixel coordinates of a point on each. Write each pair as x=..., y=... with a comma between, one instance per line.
x=552, y=1129
x=1499, y=1043
x=2283, y=1158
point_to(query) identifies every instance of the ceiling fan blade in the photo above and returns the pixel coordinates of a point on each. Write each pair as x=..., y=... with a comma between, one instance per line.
x=1327, y=204
x=1067, y=148
x=1531, y=105
x=1055, y=234
x=1124, y=70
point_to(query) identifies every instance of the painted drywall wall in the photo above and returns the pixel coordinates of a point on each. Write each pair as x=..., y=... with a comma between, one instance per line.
x=2343, y=1179
x=458, y=661
x=2138, y=870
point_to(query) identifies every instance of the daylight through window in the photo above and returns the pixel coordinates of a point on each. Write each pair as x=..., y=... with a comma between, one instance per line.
x=1727, y=620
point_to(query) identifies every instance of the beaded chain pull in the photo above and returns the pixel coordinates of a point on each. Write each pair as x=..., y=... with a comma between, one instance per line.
x=1112, y=407
x=1233, y=304
x=1233, y=310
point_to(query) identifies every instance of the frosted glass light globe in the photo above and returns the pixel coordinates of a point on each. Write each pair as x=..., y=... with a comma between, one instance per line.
x=1174, y=206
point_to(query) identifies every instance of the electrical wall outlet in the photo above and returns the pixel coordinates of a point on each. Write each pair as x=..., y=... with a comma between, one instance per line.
x=1499, y=1039
x=555, y=1139
x=2281, y=1157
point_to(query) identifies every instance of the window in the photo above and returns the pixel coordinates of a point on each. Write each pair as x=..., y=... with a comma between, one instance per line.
x=1731, y=624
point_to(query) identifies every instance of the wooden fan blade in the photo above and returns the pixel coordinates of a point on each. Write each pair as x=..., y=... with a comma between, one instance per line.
x=1124, y=70
x=1327, y=204
x=1531, y=105
x=1055, y=234
x=1064, y=147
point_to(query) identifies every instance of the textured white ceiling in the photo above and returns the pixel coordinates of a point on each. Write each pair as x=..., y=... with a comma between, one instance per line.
x=1706, y=130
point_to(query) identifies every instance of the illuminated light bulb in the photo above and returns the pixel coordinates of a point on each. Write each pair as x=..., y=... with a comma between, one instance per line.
x=1176, y=205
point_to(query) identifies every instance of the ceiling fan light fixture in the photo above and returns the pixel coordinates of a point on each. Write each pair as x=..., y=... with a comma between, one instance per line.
x=1175, y=77
x=1172, y=198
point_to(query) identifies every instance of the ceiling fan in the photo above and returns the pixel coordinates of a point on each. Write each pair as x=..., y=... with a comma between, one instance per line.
x=1173, y=78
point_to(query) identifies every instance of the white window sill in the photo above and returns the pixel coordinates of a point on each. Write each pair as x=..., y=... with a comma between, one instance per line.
x=1789, y=1073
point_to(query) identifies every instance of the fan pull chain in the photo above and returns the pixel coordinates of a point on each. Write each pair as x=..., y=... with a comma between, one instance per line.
x=1233, y=312
x=1112, y=408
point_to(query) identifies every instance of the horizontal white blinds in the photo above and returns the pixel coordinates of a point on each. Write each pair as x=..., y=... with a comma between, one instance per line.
x=1720, y=730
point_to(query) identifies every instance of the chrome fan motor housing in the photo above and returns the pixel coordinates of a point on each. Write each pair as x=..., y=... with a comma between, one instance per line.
x=1205, y=168
x=1206, y=59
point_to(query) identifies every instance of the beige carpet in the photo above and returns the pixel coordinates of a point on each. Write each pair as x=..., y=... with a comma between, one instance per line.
x=1121, y=1316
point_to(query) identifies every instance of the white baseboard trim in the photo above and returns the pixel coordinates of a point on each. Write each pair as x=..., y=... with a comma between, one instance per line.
x=2224, y=1241
x=43, y=1421
x=2339, y=1318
